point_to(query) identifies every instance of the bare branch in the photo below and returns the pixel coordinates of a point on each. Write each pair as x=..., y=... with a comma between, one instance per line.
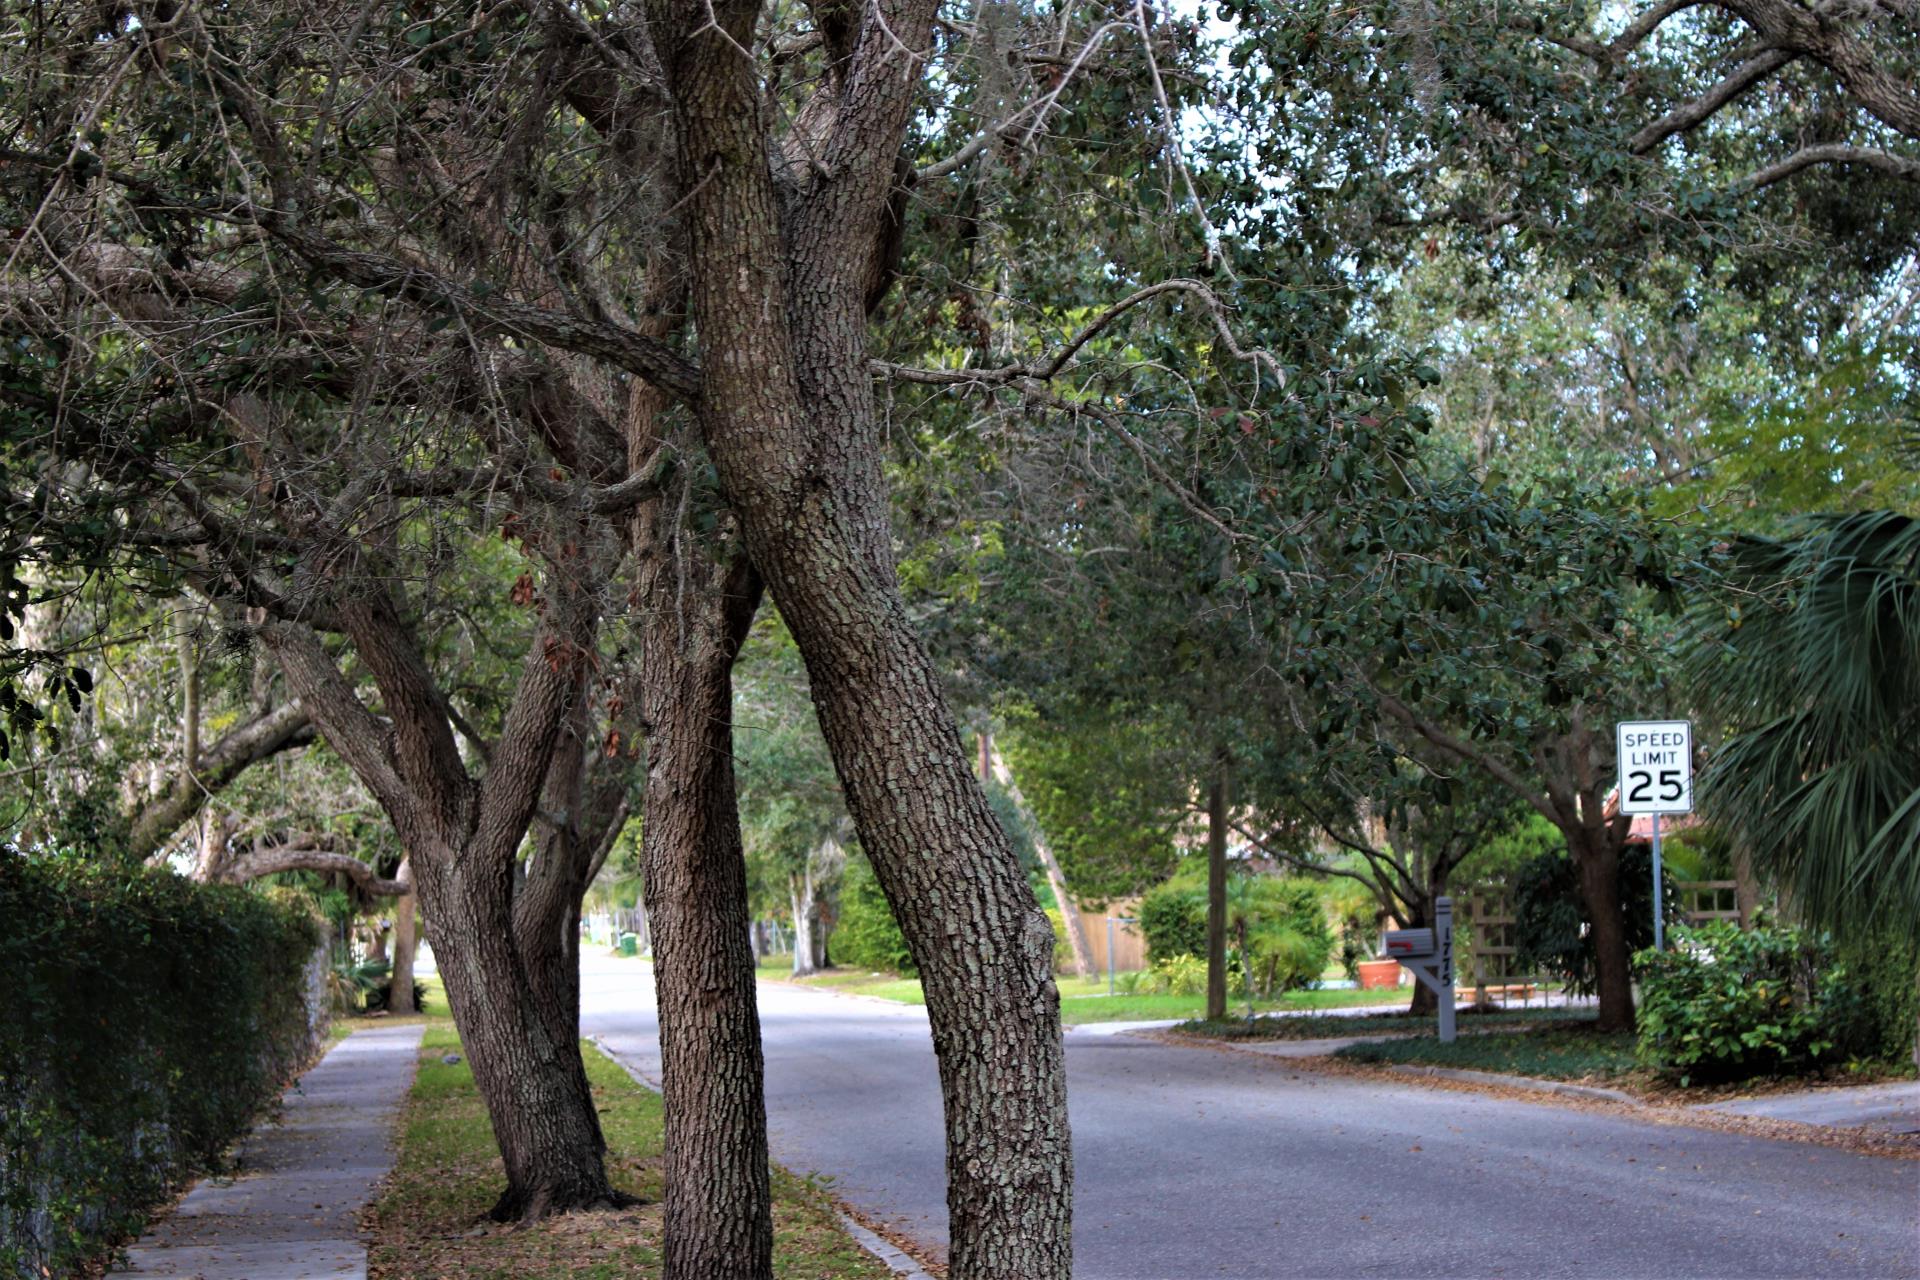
x=271, y=861
x=1834, y=153
x=1691, y=114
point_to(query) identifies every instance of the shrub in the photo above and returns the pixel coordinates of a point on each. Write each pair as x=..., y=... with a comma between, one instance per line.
x=148, y=1019
x=1550, y=915
x=1173, y=976
x=1280, y=921
x=1726, y=1003
x=1883, y=965
x=866, y=935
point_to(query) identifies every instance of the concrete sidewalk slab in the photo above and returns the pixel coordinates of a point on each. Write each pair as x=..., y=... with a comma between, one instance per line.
x=1888, y=1108
x=289, y=1212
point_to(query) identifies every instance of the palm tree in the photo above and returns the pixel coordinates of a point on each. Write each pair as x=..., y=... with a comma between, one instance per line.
x=1819, y=674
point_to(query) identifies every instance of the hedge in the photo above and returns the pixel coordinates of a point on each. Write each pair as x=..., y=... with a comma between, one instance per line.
x=866, y=936
x=147, y=1021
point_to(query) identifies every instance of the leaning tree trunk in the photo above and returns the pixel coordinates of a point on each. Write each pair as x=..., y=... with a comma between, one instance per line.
x=1056, y=878
x=718, y=1203
x=1597, y=861
x=786, y=409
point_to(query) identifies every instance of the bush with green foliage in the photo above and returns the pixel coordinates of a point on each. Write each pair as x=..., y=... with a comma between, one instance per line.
x=1725, y=1003
x=1172, y=976
x=148, y=1020
x=1550, y=916
x=866, y=936
x=1885, y=965
x=1279, y=922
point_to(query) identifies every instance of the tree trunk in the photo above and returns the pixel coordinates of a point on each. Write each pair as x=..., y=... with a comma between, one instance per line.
x=216, y=827
x=1420, y=916
x=718, y=1212
x=1217, y=894
x=1597, y=860
x=1069, y=911
x=406, y=937
x=543, y=1118
x=805, y=910
x=1746, y=888
x=786, y=409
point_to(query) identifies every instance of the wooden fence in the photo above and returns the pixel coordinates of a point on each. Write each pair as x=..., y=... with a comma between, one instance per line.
x=1704, y=900
x=1129, y=944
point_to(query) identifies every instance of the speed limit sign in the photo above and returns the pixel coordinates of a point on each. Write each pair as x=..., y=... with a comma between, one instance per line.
x=1656, y=766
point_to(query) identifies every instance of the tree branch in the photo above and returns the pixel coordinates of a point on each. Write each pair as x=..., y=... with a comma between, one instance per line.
x=266, y=862
x=1696, y=112
x=1833, y=153
x=1464, y=749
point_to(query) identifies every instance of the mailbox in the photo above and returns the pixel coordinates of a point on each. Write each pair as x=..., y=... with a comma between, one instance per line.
x=1409, y=943
x=1428, y=955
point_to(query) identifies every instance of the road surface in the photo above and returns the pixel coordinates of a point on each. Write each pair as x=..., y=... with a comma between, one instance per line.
x=1192, y=1162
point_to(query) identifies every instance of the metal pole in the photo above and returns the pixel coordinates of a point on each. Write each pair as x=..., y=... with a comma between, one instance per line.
x=1659, y=916
x=1443, y=931
x=1110, y=956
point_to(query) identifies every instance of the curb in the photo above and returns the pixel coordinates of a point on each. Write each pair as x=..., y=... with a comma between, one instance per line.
x=893, y=1259
x=1520, y=1082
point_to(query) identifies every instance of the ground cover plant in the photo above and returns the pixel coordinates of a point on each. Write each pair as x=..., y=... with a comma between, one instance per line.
x=1564, y=1051
x=431, y=1218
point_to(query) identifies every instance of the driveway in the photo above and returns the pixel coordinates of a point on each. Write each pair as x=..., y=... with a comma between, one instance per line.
x=1192, y=1162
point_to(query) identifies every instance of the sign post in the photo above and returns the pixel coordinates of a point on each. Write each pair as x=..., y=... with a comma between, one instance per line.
x=1428, y=953
x=1656, y=777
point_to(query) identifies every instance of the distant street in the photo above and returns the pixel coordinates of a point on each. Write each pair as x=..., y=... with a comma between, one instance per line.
x=1191, y=1162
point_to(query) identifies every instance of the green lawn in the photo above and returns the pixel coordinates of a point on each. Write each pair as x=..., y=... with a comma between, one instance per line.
x=430, y=1220
x=1570, y=1052
x=1082, y=1000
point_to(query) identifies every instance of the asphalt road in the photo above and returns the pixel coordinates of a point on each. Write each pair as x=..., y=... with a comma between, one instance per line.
x=1200, y=1163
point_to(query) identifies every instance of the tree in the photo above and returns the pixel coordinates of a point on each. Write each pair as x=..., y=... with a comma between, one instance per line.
x=1398, y=823
x=1816, y=672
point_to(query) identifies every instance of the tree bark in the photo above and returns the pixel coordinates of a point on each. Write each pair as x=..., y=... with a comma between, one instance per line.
x=543, y=1117
x=462, y=837
x=786, y=410
x=406, y=942
x=718, y=1203
x=1217, y=894
x=1597, y=860
x=805, y=910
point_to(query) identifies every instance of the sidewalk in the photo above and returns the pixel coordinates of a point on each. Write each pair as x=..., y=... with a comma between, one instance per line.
x=289, y=1212
x=1887, y=1108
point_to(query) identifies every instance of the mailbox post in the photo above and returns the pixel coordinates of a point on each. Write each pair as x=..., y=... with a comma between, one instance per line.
x=1428, y=954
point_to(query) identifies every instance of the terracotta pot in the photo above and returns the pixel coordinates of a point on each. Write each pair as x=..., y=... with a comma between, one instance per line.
x=1377, y=974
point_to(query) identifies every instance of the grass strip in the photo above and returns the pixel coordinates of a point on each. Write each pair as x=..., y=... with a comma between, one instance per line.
x=1329, y=1026
x=1573, y=1052
x=430, y=1220
x=1083, y=1000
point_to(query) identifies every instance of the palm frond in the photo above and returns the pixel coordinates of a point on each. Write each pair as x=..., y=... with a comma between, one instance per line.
x=1818, y=672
